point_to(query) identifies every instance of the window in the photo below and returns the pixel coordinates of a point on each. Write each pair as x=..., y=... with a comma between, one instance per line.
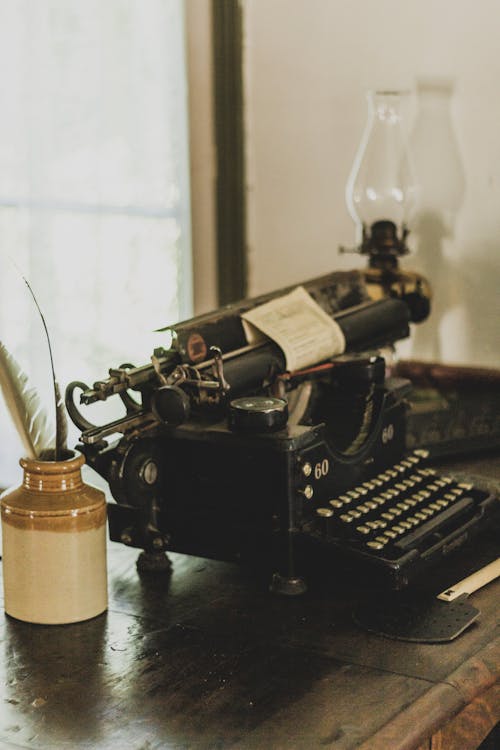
x=94, y=194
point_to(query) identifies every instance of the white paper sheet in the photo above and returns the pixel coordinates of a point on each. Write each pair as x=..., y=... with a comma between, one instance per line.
x=305, y=333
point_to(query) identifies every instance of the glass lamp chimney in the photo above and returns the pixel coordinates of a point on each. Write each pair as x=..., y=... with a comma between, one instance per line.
x=380, y=192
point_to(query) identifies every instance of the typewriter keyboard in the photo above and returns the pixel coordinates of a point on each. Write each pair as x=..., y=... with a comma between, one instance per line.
x=406, y=507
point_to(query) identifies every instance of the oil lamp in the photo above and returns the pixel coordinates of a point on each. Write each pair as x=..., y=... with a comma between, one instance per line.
x=380, y=192
x=381, y=198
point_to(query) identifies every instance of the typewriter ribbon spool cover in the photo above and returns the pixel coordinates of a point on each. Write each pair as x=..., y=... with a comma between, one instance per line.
x=300, y=327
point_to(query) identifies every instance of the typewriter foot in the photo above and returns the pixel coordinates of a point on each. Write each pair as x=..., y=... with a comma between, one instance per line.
x=287, y=585
x=153, y=562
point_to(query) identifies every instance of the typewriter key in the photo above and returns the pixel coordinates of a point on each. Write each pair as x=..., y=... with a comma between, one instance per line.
x=363, y=529
x=336, y=504
x=324, y=512
x=375, y=545
x=421, y=453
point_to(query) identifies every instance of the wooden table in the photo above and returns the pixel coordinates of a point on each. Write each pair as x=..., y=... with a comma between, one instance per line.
x=209, y=659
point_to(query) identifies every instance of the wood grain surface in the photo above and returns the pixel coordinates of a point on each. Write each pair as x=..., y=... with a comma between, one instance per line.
x=207, y=658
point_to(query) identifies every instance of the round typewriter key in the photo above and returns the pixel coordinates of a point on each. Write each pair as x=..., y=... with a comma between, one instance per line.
x=375, y=545
x=388, y=516
x=421, y=453
x=346, y=499
x=258, y=414
x=382, y=539
x=403, y=506
x=355, y=513
x=346, y=519
x=336, y=504
x=363, y=508
x=435, y=506
x=363, y=529
x=324, y=512
x=442, y=503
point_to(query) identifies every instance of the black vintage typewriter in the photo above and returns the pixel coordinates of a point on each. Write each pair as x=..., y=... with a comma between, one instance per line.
x=225, y=452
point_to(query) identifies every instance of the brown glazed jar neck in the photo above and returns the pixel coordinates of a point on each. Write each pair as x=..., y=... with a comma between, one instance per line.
x=53, y=476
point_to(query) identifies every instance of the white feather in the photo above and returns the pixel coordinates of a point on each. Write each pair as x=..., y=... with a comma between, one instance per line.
x=28, y=415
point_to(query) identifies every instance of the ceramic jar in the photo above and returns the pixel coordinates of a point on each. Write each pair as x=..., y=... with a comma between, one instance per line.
x=54, y=544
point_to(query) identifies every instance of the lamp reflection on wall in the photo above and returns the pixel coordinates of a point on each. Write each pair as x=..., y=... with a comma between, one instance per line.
x=381, y=198
x=380, y=192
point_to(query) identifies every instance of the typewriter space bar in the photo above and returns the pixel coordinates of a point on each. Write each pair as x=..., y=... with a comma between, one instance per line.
x=434, y=524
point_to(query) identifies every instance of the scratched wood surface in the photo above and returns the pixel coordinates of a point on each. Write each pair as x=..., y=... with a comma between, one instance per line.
x=207, y=658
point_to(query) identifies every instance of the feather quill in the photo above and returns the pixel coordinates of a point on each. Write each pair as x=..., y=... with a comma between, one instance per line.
x=28, y=415
x=61, y=434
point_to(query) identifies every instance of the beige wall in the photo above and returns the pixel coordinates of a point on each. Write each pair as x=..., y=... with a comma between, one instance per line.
x=308, y=64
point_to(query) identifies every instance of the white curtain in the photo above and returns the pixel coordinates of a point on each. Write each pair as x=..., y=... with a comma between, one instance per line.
x=94, y=193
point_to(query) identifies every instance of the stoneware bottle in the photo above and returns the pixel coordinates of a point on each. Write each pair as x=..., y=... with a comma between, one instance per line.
x=54, y=544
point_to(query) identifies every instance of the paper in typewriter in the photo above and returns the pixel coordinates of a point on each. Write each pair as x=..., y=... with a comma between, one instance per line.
x=305, y=332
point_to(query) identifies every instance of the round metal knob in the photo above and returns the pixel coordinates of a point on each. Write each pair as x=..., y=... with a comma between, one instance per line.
x=258, y=414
